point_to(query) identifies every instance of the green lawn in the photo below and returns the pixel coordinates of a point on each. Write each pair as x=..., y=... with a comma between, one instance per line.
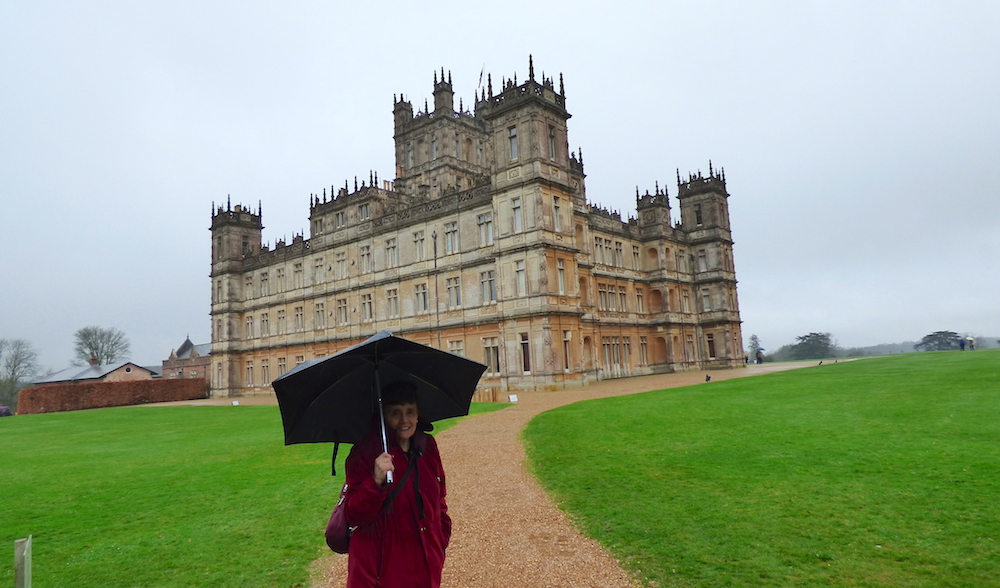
x=178, y=496
x=879, y=472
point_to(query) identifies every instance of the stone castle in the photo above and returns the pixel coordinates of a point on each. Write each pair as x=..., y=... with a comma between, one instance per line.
x=485, y=245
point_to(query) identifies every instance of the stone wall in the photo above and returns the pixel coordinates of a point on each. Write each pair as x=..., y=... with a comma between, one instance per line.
x=65, y=397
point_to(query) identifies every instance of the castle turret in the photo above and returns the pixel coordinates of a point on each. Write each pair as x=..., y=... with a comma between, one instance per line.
x=704, y=201
x=444, y=96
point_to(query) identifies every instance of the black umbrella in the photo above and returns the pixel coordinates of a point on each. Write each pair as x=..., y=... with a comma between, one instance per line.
x=334, y=399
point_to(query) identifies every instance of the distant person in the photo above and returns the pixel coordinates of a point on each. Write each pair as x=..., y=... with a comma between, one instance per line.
x=961, y=344
x=972, y=344
x=760, y=357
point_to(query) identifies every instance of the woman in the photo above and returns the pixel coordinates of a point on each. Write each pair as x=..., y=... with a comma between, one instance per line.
x=403, y=528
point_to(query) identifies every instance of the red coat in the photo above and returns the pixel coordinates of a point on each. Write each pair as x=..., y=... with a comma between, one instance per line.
x=394, y=549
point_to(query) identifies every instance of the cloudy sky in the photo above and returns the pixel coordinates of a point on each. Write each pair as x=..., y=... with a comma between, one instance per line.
x=860, y=140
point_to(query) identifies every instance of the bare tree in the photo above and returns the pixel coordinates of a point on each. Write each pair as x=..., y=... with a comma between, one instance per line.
x=107, y=345
x=18, y=365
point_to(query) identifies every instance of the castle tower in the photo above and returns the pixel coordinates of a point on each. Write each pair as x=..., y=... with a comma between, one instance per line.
x=705, y=221
x=439, y=150
x=236, y=236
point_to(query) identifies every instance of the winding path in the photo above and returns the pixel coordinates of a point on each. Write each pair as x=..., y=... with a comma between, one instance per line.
x=507, y=531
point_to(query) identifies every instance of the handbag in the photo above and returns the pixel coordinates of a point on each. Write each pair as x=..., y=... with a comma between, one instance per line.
x=338, y=532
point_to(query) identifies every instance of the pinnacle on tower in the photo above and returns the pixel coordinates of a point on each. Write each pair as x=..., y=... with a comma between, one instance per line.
x=531, y=68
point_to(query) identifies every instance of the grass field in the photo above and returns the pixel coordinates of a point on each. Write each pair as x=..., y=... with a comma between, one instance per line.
x=178, y=496
x=879, y=472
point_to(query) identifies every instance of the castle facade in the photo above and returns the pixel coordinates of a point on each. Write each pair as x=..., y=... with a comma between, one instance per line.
x=485, y=245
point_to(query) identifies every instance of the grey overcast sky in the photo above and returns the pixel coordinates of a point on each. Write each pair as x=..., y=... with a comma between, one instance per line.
x=860, y=140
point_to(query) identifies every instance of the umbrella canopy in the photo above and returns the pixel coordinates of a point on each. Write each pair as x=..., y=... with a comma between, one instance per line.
x=334, y=399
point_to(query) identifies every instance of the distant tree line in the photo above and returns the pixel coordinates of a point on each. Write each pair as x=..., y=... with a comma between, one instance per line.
x=823, y=346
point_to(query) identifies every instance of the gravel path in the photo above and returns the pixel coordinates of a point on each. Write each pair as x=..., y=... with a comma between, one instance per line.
x=507, y=531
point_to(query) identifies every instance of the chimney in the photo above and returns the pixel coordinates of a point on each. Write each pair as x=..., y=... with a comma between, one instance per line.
x=94, y=360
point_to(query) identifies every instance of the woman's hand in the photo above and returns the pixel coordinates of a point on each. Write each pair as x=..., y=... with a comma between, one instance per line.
x=383, y=464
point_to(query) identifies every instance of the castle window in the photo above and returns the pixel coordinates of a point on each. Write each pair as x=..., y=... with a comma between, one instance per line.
x=598, y=250
x=246, y=246
x=512, y=137
x=608, y=255
x=491, y=355
x=643, y=351
x=706, y=299
x=485, y=229
x=525, y=354
x=297, y=275
x=622, y=299
x=318, y=272
x=635, y=256
x=454, y=286
x=520, y=278
x=409, y=156
x=317, y=226
x=249, y=382
x=299, y=323
x=218, y=291
x=561, y=275
x=566, y=339
x=265, y=327
x=391, y=253
x=451, y=238
x=488, y=282
x=279, y=276
x=619, y=255
x=265, y=371
x=552, y=142
x=686, y=302
x=340, y=259
x=366, y=307
x=366, y=259
x=265, y=288
x=639, y=305
x=218, y=248
x=420, y=295
x=517, y=214
x=556, y=219
x=702, y=260
x=281, y=322
x=365, y=211
x=300, y=359
x=341, y=219
x=249, y=327
x=434, y=147
x=710, y=340
x=697, y=214
x=602, y=297
x=248, y=288
x=392, y=297
x=456, y=347
x=456, y=146
x=418, y=246
x=342, y=311
x=320, y=315
x=281, y=366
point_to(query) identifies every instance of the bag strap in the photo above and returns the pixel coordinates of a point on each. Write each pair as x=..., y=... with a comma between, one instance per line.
x=411, y=467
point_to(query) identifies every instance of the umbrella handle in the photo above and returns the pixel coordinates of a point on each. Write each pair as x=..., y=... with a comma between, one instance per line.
x=381, y=418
